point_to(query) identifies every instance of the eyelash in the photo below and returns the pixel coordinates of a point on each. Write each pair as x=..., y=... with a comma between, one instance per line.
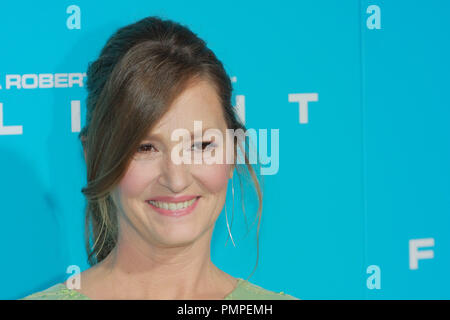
x=148, y=145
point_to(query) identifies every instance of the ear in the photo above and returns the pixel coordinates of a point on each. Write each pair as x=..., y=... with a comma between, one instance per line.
x=83, y=143
x=230, y=175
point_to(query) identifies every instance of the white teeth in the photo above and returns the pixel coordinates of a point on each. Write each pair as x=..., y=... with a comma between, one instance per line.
x=171, y=205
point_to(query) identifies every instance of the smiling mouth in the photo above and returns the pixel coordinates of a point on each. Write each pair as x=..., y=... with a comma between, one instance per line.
x=171, y=205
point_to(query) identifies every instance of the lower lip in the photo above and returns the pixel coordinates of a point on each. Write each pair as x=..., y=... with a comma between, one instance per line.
x=175, y=213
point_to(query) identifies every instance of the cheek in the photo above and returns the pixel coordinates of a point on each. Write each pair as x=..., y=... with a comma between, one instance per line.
x=214, y=177
x=134, y=181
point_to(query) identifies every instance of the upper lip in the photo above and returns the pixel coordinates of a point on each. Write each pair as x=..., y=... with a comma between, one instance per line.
x=173, y=199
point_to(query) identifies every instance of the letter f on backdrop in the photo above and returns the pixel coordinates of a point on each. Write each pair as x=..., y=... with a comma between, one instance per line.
x=415, y=254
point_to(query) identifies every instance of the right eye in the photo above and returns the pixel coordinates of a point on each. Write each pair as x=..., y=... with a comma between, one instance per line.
x=145, y=148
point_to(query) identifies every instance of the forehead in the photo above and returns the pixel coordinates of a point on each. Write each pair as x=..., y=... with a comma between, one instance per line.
x=198, y=102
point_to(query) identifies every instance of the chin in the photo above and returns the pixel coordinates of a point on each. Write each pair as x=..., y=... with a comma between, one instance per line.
x=179, y=241
x=178, y=236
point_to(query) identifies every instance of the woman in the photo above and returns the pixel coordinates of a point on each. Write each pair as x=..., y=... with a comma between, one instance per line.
x=150, y=218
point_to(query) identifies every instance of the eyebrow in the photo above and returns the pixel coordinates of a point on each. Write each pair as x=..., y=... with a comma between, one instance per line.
x=158, y=136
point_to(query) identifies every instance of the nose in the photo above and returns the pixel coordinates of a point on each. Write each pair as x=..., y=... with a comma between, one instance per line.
x=175, y=177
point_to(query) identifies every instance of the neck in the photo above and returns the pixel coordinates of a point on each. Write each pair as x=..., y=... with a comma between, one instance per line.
x=140, y=270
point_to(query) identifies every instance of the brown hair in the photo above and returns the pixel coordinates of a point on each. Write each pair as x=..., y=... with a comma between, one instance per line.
x=142, y=68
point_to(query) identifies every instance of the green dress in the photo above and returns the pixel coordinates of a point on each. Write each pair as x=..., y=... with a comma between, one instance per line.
x=244, y=290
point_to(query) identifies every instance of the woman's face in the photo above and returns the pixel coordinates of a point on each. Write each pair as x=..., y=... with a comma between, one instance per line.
x=153, y=174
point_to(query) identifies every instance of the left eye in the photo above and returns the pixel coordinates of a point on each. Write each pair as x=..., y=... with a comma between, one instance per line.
x=204, y=145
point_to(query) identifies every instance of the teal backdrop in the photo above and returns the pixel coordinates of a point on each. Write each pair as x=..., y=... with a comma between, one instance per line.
x=359, y=206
